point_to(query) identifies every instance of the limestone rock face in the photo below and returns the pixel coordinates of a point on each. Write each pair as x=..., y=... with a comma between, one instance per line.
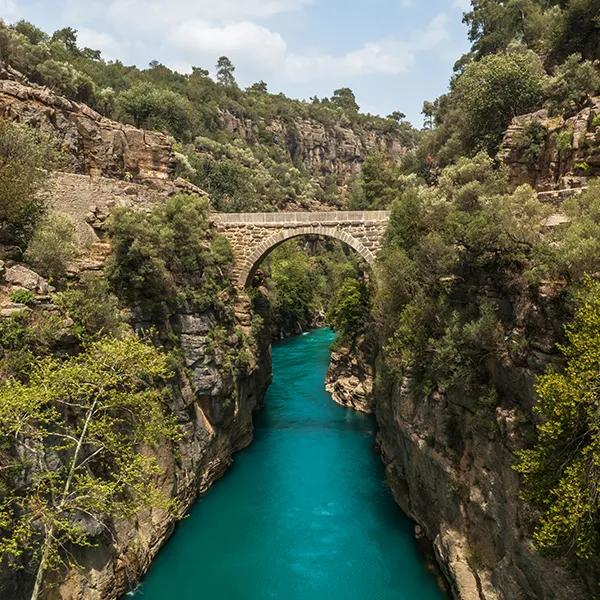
x=96, y=145
x=21, y=276
x=350, y=378
x=449, y=459
x=321, y=149
x=563, y=159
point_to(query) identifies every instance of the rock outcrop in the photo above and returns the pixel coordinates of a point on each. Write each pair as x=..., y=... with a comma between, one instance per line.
x=93, y=144
x=322, y=149
x=350, y=377
x=555, y=154
x=449, y=458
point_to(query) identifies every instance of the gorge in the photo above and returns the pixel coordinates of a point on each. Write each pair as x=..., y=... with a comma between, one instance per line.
x=165, y=237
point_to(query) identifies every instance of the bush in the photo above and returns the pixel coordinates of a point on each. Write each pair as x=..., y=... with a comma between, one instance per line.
x=494, y=89
x=561, y=472
x=25, y=154
x=167, y=258
x=25, y=297
x=53, y=246
x=92, y=307
x=564, y=141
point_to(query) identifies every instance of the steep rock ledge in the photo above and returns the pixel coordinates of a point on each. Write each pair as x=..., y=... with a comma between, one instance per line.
x=215, y=415
x=449, y=460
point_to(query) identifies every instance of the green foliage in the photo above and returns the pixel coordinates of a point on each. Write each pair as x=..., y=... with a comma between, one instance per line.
x=24, y=156
x=493, y=90
x=25, y=337
x=151, y=107
x=561, y=472
x=21, y=296
x=596, y=121
x=564, y=141
x=467, y=238
x=574, y=81
x=533, y=141
x=93, y=308
x=168, y=258
x=52, y=246
x=225, y=69
x=294, y=286
x=79, y=427
x=345, y=99
x=350, y=309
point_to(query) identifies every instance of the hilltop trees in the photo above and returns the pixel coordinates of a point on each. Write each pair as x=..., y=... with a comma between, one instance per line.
x=225, y=69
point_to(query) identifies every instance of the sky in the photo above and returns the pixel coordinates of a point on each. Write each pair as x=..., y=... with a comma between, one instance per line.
x=393, y=54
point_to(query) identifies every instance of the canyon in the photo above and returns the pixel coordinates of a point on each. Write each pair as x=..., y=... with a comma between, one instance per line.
x=448, y=457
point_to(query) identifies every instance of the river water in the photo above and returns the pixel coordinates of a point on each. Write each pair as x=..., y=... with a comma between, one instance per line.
x=303, y=514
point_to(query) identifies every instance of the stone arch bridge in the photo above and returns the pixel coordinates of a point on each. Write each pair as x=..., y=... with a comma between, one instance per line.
x=254, y=235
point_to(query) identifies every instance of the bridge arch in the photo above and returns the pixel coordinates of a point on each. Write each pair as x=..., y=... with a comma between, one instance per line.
x=254, y=235
x=251, y=262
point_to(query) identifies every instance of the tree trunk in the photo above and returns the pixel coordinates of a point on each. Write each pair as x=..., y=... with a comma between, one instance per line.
x=39, y=577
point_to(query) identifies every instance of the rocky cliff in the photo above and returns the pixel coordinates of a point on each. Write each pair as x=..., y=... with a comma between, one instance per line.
x=449, y=458
x=350, y=377
x=320, y=148
x=554, y=154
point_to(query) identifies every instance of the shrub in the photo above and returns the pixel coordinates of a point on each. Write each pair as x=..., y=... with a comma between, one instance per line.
x=25, y=154
x=167, y=258
x=532, y=141
x=92, y=307
x=53, y=246
x=26, y=297
x=561, y=472
x=564, y=141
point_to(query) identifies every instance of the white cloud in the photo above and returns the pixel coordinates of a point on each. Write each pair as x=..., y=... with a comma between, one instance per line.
x=246, y=43
x=108, y=45
x=9, y=11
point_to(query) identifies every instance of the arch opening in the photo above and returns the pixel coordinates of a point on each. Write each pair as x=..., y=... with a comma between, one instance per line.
x=252, y=262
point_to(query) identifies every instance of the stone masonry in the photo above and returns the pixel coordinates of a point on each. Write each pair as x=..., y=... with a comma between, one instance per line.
x=254, y=235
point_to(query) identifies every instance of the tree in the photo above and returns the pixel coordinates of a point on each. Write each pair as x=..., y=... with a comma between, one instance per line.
x=561, y=472
x=225, y=69
x=53, y=246
x=68, y=36
x=345, y=98
x=78, y=428
x=151, y=107
x=350, y=309
x=25, y=156
x=259, y=86
x=493, y=90
x=397, y=116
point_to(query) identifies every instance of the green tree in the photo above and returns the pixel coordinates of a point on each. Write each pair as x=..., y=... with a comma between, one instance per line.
x=25, y=156
x=225, y=69
x=345, y=99
x=79, y=427
x=150, y=107
x=561, y=472
x=53, y=246
x=350, y=309
x=493, y=90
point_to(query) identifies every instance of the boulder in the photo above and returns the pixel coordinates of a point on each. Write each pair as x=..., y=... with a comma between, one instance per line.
x=21, y=276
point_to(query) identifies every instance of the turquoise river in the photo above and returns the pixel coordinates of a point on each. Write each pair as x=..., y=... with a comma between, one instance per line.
x=303, y=514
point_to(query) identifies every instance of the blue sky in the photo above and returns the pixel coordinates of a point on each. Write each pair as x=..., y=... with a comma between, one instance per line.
x=393, y=53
